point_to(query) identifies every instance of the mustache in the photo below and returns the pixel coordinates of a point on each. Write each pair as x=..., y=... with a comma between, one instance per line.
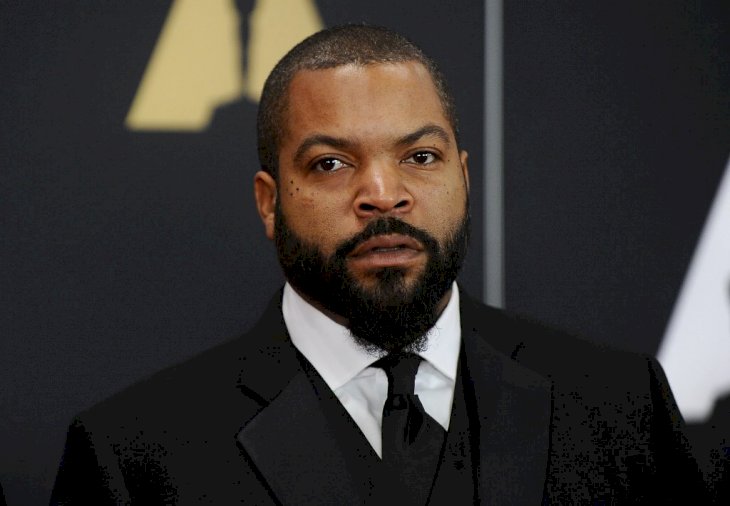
x=385, y=226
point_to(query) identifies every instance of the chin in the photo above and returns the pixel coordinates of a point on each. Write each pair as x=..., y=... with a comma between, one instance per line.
x=389, y=279
x=407, y=275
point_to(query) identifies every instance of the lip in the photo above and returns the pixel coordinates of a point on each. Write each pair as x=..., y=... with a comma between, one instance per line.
x=389, y=250
x=386, y=242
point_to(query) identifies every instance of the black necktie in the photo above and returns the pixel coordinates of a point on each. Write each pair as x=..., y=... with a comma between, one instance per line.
x=412, y=440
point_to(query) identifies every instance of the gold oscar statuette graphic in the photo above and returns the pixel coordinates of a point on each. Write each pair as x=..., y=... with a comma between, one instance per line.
x=196, y=65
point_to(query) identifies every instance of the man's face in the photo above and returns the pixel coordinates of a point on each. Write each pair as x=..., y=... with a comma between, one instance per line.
x=370, y=209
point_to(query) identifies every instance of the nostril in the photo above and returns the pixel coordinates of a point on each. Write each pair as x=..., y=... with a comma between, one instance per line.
x=402, y=203
x=367, y=207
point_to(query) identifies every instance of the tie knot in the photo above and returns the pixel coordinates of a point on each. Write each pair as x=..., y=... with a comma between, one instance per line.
x=401, y=369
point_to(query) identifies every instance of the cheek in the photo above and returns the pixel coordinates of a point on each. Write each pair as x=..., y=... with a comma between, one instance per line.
x=291, y=188
x=300, y=194
x=443, y=208
x=445, y=198
x=313, y=214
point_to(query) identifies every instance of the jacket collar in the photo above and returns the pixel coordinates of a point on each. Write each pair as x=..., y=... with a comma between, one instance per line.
x=289, y=440
x=292, y=445
x=514, y=408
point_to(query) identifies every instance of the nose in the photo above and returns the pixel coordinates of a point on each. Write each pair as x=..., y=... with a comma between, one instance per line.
x=381, y=190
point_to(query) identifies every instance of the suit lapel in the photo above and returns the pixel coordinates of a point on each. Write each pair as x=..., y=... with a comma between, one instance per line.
x=292, y=445
x=295, y=450
x=513, y=413
x=289, y=440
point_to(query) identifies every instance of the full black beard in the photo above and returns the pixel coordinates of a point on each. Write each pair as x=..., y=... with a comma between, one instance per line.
x=391, y=317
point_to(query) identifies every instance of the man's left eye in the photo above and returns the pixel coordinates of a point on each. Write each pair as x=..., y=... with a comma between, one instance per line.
x=421, y=158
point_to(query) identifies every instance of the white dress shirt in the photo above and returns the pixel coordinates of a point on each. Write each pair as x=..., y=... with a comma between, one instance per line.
x=362, y=390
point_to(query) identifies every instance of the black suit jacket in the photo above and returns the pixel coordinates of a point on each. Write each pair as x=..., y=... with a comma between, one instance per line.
x=559, y=421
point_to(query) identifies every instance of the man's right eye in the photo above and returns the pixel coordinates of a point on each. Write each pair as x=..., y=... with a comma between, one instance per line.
x=329, y=165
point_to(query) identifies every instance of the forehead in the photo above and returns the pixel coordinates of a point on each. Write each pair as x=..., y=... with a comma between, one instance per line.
x=361, y=99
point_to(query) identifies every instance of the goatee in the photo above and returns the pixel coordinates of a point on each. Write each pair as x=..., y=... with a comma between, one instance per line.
x=391, y=316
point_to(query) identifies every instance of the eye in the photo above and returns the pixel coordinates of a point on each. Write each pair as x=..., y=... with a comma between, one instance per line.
x=329, y=165
x=421, y=158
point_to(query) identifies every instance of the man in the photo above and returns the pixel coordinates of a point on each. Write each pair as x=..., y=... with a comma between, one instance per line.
x=371, y=378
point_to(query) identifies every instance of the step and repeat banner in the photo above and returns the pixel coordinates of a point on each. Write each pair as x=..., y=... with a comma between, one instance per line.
x=129, y=240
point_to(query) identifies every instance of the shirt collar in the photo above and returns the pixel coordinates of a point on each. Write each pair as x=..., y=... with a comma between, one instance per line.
x=329, y=347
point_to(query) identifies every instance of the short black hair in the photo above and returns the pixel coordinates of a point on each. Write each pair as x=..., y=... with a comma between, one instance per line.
x=356, y=44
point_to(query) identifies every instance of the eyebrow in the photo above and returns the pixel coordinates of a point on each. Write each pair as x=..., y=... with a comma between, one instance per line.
x=321, y=139
x=426, y=131
x=345, y=143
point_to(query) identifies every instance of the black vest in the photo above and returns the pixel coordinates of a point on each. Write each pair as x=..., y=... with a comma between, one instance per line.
x=456, y=477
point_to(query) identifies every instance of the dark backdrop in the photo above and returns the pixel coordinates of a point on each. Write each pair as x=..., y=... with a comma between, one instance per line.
x=617, y=131
x=125, y=252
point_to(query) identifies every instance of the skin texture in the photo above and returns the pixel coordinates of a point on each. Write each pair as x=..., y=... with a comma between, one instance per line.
x=362, y=143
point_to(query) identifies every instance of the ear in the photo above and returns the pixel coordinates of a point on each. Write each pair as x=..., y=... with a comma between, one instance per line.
x=264, y=188
x=464, y=158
